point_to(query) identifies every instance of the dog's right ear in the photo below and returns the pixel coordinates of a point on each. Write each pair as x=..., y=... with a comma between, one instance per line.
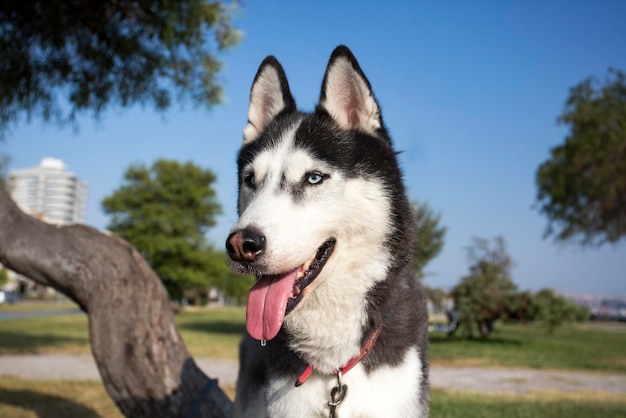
x=269, y=96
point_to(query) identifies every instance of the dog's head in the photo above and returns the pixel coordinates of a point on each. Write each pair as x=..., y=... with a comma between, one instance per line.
x=316, y=193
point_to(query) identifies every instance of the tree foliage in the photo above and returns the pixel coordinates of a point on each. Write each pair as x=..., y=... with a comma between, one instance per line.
x=520, y=307
x=94, y=53
x=430, y=237
x=481, y=297
x=165, y=211
x=546, y=308
x=553, y=310
x=234, y=287
x=582, y=187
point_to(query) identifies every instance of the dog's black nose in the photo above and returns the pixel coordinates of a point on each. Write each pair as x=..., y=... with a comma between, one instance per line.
x=245, y=245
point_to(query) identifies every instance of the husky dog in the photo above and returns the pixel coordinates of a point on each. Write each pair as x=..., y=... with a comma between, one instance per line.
x=337, y=324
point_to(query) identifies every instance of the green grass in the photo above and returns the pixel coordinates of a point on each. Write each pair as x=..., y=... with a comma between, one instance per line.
x=216, y=333
x=468, y=405
x=30, y=305
x=50, y=399
x=207, y=333
x=590, y=347
x=56, y=334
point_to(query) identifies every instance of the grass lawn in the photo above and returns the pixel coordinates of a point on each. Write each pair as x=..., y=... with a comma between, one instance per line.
x=216, y=333
x=48, y=399
x=56, y=334
x=207, y=333
x=36, y=305
x=467, y=405
x=587, y=347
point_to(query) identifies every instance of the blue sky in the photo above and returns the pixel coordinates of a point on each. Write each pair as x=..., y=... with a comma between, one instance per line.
x=470, y=92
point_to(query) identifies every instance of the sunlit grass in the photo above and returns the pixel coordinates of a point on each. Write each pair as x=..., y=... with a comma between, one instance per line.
x=215, y=332
x=69, y=399
x=592, y=347
x=66, y=334
x=537, y=404
x=34, y=305
x=207, y=333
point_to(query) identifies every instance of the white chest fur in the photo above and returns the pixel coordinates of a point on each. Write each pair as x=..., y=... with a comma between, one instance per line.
x=388, y=392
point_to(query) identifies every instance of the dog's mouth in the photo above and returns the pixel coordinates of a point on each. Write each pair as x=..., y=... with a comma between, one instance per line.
x=309, y=272
x=275, y=296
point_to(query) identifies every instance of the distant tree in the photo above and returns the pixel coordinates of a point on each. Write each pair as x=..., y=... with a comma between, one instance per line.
x=582, y=187
x=165, y=211
x=519, y=306
x=95, y=53
x=234, y=286
x=430, y=237
x=553, y=310
x=481, y=297
x=219, y=277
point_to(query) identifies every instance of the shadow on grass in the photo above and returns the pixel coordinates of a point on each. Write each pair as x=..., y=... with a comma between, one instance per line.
x=44, y=405
x=13, y=341
x=218, y=327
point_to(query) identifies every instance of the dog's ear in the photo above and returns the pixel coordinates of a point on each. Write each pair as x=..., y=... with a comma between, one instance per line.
x=269, y=96
x=347, y=95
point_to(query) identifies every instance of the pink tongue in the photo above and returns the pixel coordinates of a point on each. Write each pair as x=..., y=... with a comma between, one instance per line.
x=267, y=303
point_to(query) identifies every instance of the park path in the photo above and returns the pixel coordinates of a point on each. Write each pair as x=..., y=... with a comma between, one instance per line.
x=482, y=380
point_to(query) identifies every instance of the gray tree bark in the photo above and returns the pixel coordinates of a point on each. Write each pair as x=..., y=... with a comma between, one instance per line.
x=143, y=362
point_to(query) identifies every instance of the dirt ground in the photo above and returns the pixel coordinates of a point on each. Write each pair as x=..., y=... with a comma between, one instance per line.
x=481, y=380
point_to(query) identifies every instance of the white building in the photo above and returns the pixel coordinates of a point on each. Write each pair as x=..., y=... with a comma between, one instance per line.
x=50, y=192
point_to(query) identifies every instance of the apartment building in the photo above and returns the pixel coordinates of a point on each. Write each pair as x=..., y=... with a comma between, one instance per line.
x=50, y=192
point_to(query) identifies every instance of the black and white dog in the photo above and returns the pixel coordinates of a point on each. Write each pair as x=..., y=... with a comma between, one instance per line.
x=337, y=324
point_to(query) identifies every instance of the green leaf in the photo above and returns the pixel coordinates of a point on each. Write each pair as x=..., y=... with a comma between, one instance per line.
x=582, y=187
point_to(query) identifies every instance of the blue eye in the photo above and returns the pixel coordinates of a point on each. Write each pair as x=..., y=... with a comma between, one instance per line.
x=314, y=178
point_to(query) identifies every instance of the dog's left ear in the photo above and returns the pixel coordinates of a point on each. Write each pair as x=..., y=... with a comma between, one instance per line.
x=347, y=95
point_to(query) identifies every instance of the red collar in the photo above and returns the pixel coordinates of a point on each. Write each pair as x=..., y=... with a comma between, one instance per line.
x=365, y=350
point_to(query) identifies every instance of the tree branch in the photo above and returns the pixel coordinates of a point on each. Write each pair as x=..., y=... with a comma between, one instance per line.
x=142, y=359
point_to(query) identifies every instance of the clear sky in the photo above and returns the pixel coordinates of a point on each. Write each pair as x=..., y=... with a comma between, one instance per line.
x=470, y=92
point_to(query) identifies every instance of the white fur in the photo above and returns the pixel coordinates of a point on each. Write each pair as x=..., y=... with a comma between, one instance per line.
x=355, y=212
x=387, y=392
